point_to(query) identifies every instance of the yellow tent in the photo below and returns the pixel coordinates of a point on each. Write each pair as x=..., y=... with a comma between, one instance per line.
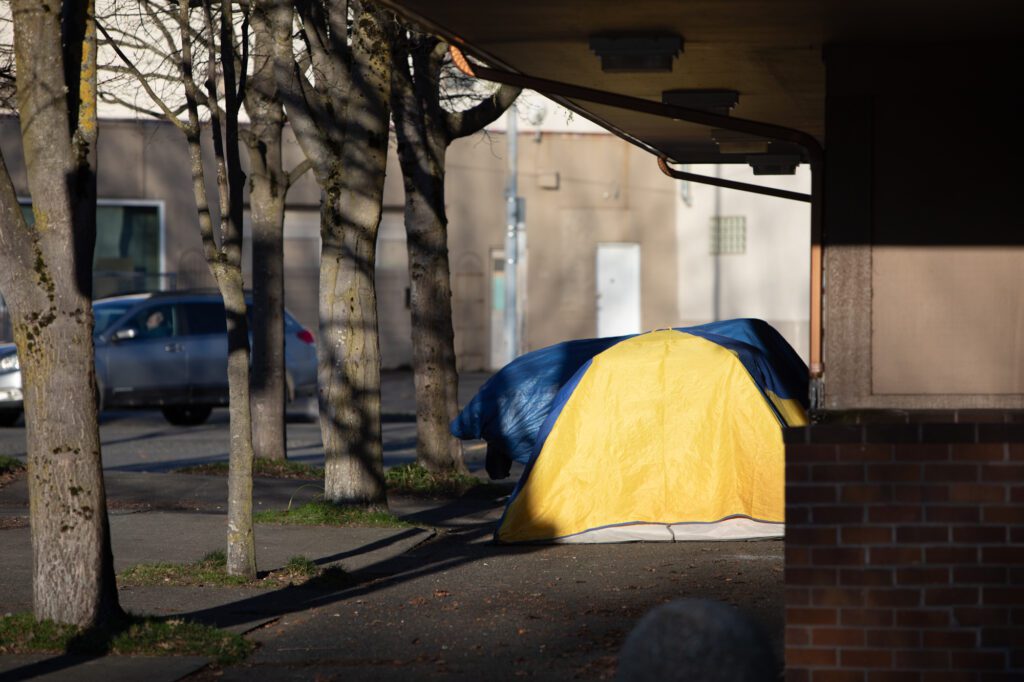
x=663, y=436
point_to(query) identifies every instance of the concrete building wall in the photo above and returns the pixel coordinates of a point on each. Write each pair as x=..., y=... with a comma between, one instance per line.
x=924, y=238
x=607, y=191
x=770, y=279
x=582, y=190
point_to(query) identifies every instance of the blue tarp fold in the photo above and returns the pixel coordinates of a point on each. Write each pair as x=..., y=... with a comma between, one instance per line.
x=509, y=410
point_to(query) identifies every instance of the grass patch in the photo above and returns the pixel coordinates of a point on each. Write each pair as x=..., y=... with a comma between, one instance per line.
x=301, y=566
x=9, y=465
x=21, y=634
x=264, y=468
x=413, y=479
x=211, y=570
x=407, y=479
x=303, y=570
x=322, y=513
x=10, y=469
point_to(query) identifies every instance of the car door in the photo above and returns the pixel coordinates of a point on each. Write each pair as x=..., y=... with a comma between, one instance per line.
x=206, y=345
x=145, y=360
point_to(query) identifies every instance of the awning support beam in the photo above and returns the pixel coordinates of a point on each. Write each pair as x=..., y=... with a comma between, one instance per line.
x=729, y=184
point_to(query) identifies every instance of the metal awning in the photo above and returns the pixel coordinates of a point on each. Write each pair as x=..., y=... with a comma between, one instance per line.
x=769, y=52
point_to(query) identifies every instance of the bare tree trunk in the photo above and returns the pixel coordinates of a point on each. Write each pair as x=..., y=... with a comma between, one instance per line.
x=268, y=187
x=46, y=276
x=349, y=349
x=433, y=339
x=227, y=270
x=269, y=386
x=349, y=352
x=241, y=552
x=424, y=130
x=341, y=122
x=436, y=377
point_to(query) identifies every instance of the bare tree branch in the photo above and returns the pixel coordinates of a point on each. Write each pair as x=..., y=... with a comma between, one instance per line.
x=157, y=100
x=292, y=176
x=467, y=122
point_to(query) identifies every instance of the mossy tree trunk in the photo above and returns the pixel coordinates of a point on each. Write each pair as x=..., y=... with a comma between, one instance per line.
x=269, y=383
x=425, y=129
x=46, y=277
x=268, y=187
x=341, y=122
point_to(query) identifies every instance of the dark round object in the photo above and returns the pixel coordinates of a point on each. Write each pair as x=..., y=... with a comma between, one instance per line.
x=696, y=640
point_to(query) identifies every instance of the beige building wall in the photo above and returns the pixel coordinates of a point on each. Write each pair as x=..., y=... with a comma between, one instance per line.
x=581, y=190
x=962, y=309
x=924, y=247
x=770, y=278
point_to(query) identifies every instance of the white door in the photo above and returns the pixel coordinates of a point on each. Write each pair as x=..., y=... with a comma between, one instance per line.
x=618, y=289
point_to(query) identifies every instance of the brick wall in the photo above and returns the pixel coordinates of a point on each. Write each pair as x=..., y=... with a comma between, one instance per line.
x=905, y=548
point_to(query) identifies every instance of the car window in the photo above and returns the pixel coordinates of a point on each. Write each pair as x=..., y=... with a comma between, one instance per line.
x=154, y=322
x=204, y=318
x=291, y=324
x=106, y=314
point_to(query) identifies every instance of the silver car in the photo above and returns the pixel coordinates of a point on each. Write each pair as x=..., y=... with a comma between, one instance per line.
x=167, y=351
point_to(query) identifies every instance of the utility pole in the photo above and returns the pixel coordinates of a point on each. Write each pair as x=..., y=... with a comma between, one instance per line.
x=514, y=210
x=716, y=282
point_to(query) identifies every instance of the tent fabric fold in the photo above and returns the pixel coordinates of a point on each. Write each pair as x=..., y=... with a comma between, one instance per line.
x=510, y=408
x=669, y=435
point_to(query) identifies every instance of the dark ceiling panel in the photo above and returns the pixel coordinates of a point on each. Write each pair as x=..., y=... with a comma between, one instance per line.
x=768, y=51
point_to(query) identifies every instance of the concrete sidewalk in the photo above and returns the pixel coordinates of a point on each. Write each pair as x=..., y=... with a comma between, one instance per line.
x=179, y=518
x=443, y=602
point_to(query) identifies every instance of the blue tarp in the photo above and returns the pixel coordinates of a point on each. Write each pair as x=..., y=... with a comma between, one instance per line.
x=509, y=410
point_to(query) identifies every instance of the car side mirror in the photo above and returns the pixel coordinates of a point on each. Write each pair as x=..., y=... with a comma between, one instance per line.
x=125, y=334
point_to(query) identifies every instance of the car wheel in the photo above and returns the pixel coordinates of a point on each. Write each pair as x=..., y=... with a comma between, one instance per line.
x=9, y=417
x=187, y=415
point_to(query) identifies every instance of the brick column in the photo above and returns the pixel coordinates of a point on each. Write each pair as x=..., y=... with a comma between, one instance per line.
x=905, y=550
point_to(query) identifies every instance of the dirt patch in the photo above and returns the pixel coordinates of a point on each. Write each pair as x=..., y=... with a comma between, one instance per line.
x=8, y=477
x=10, y=522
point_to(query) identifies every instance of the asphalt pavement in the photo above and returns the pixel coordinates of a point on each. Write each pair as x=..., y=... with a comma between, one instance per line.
x=142, y=440
x=438, y=601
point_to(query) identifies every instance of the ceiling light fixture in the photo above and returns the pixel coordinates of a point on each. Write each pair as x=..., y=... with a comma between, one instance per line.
x=774, y=164
x=636, y=54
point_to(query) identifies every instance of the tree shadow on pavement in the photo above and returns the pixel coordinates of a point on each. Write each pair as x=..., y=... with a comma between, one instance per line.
x=451, y=548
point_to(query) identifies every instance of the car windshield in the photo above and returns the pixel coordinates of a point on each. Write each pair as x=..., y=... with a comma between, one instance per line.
x=108, y=313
